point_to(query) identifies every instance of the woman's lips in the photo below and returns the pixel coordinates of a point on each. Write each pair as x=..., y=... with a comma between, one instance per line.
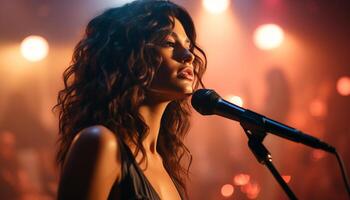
x=186, y=73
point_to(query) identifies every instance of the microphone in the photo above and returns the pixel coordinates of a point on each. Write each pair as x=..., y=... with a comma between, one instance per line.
x=208, y=102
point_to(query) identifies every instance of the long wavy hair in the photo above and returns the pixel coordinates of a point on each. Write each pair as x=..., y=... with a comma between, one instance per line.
x=112, y=68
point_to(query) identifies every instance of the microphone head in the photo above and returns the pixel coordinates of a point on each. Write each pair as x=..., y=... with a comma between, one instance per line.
x=204, y=101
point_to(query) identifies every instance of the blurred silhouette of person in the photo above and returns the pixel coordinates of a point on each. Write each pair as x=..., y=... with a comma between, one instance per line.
x=277, y=99
x=9, y=168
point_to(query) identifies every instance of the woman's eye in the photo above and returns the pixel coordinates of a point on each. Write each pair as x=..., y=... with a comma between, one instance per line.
x=170, y=44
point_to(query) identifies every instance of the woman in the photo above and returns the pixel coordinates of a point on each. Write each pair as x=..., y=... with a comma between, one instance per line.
x=124, y=110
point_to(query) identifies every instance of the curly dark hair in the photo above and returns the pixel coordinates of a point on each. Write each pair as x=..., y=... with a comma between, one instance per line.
x=112, y=68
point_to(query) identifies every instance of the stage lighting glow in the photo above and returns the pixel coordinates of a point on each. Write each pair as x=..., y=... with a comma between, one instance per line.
x=268, y=36
x=317, y=154
x=343, y=86
x=216, y=6
x=227, y=190
x=235, y=100
x=241, y=179
x=286, y=178
x=122, y=2
x=34, y=48
x=252, y=190
x=318, y=108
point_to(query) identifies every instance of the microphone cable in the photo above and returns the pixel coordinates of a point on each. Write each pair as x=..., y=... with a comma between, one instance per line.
x=343, y=171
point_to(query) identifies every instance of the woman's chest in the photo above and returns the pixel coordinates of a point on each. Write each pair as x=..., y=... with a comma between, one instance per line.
x=160, y=180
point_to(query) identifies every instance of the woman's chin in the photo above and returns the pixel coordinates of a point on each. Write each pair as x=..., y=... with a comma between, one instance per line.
x=170, y=95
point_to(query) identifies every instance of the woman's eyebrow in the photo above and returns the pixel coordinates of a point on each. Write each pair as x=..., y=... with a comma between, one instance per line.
x=175, y=35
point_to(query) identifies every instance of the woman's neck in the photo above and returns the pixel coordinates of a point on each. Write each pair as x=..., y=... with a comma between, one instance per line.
x=152, y=114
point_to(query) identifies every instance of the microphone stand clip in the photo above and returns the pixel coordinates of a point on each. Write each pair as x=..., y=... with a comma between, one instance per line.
x=256, y=136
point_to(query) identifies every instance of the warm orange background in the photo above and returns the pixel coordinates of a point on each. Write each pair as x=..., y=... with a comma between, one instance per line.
x=294, y=84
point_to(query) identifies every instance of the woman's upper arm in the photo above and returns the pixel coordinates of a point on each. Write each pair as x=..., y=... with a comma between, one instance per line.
x=92, y=165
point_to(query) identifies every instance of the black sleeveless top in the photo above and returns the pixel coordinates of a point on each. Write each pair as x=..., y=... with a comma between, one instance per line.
x=134, y=184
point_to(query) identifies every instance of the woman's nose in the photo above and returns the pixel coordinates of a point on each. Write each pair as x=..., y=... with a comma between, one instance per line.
x=187, y=57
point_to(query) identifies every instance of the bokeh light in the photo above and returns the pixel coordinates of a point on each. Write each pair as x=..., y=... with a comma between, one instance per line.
x=122, y=2
x=235, y=100
x=268, y=36
x=241, y=179
x=216, y=6
x=252, y=190
x=227, y=190
x=343, y=86
x=318, y=108
x=317, y=154
x=34, y=48
x=287, y=178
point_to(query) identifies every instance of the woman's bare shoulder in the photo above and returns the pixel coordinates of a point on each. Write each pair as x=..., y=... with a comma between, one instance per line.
x=98, y=140
x=98, y=143
x=98, y=134
x=92, y=165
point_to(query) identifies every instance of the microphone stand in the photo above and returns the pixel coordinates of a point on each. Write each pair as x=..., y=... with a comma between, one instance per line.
x=256, y=136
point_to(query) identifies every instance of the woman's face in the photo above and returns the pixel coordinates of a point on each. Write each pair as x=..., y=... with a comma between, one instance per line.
x=175, y=77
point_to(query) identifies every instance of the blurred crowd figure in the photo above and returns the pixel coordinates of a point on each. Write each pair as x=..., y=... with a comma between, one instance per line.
x=10, y=175
x=23, y=175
